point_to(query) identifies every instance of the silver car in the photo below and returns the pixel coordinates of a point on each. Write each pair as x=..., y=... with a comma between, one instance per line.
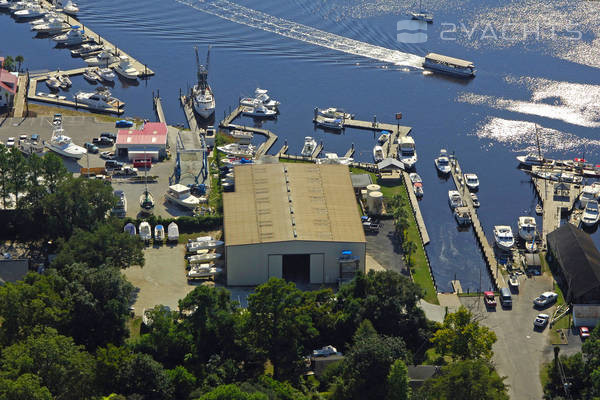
x=541, y=320
x=545, y=299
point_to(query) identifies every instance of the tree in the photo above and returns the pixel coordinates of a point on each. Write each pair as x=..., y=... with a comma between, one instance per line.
x=62, y=366
x=54, y=171
x=466, y=380
x=231, y=392
x=463, y=338
x=25, y=387
x=18, y=173
x=366, y=367
x=141, y=375
x=105, y=245
x=4, y=174
x=390, y=301
x=574, y=368
x=182, y=381
x=280, y=326
x=19, y=59
x=397, y=381
x=9, y=63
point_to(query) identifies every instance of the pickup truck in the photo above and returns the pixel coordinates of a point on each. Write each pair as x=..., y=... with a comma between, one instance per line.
x=127, y=171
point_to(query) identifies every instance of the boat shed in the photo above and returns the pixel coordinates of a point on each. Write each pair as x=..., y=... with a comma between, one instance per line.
x=294, y=221
x=149, y=142
x=578, y=261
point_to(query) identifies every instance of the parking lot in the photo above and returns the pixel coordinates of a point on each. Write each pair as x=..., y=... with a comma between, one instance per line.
x=385, y=249
x=520, y=349
x=83, y=129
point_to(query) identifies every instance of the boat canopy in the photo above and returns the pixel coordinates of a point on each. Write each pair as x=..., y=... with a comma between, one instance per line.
x=438, y=58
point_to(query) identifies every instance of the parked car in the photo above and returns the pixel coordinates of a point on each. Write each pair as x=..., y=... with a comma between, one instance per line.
x=123, y=123
x=128, y=171
x=505, y=297
x=91, y=148
x=541, y=320
x=489, y=299
x=35, y=137
x=545, y=299
x=110, y=135
x=325, y=351
x=113, y=165
x=103, y=141
x=23, y=137
x=107, y=155
x=10, y=142
x=584, y=332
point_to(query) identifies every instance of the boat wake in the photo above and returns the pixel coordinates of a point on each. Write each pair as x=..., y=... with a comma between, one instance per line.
x=256, y=19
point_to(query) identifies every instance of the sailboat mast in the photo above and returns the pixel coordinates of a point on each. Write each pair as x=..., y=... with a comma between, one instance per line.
x=537, y=140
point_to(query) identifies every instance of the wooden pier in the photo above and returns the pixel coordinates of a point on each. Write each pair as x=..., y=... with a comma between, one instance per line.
x=350, y=152
x=20, y=97
x=188, y=109
x=158, y=109
x=142, y=69
x=416, y=209
x=488, y=251
x=282, y=151
x=317, y=150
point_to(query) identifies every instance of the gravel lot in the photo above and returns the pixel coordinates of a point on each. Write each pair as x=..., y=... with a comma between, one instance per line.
x=520, y=349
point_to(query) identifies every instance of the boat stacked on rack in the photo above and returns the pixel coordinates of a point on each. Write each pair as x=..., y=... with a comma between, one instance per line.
x=504, y=237
x=309, y=147
x=202, y=243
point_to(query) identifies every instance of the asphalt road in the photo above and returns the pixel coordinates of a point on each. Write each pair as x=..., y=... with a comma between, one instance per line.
x=385, y=249
x=520, y=349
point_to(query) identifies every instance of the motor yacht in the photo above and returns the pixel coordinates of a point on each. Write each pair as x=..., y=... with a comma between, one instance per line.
x=33, y=11
x=309, y=147
x=442, y=162
x=53, y=83
x=90, y=76
x=330, y=123
x=101, y=99
x=182, y=196
x=333, y=112
x=105, y=74
x=504, y=237
x=54, y=26
x=102, y=59
x=472, y=181
x=534, y=159
x=258, y=110
x=87, y=49
x=63, y=145
x=378, y=154
x=73, y=37
x=262, y=96
x=527, y=228
x=126, y=69
x=590, y=214
x=238, y=150
x=454, y=199
x=407, y=152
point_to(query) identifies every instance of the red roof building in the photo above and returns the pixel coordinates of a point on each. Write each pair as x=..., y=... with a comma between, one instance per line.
x=8, y=86
x=149, y=142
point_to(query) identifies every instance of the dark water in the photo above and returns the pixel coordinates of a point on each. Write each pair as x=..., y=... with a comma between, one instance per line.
x=487, y=121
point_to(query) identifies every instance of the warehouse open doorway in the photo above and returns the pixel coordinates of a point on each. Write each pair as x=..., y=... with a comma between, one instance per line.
x=296, y=268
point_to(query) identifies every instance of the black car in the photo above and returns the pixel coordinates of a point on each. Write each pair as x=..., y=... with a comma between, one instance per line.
x=113, y=164
x=103, y=141
x=109, y=135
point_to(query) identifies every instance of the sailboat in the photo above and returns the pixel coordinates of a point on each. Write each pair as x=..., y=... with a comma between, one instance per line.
x=146, y=199
x=422, y=15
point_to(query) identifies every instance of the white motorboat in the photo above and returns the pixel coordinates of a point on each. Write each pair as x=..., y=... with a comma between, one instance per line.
x=62, y=144
x=590, y=214
x=130, y=228
x=105, y=74
x=258, y=110
x=378, y=154
x=260, y=95
x=330, y=123
x=126, y=69
x=243, y=137
x=20, y=5
x=462, y=215
x=415, y=178
x=64, y=80
x=90, y=76
x=206, y=244
x=442, y=162
x=159, y=233
x=34, y=11
x=203, y=257
x=53, y=83
x=172, y=232
x=238, y=150
x=527, y=228
x=70, y=8
x=333, y=158
x=309, y=147
x=383, y=138
x=202, y=94
x=87, y=49
x=418, y=189
x=182, y=196
x=203, y=271
x=71, y=38
x=454, y=199
x=513, y=280
x=589, y=192
x=54, y=26
x=145, y=231
x=504, y=237
x=475, y=200
x=102, y=59
x=101, y=99
x=534, y=159
x=472, y=181
x=5, y=4
x=407, y=152
x=333, y=112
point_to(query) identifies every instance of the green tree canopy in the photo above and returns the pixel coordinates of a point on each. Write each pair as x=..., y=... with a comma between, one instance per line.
x=466, y=380
x=397, y=381
x=463, y=338
x=25, y=387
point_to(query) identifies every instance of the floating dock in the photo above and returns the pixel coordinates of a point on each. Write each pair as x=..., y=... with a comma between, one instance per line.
x=488, y=251
x=158, y=109
x=188, y=109
x=414, y=202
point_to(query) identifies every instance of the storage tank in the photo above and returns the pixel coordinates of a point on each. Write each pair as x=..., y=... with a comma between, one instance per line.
x=375, y=202
x=373, y=188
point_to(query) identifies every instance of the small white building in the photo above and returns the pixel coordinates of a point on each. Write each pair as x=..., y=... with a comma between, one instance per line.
x=294, y=221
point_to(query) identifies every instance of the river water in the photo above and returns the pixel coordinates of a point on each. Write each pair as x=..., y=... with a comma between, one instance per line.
x=536, y=64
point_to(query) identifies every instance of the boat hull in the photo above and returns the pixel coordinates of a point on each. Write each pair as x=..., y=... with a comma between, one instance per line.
x=448, y=70
x=76, y=156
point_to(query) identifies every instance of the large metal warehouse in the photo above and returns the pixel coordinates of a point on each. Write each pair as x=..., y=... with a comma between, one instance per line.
x=294, y=221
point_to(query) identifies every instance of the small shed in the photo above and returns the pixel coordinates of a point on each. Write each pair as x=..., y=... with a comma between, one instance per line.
x=390, y=165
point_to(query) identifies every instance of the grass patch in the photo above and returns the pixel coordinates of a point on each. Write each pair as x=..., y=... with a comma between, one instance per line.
x=134, y=325
x=544, y=378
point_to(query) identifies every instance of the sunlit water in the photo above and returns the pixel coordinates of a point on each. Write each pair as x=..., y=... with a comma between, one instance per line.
x=344, y=53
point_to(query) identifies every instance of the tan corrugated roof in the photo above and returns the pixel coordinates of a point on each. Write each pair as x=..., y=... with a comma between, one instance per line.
x=450, y=60
x=320, y=204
